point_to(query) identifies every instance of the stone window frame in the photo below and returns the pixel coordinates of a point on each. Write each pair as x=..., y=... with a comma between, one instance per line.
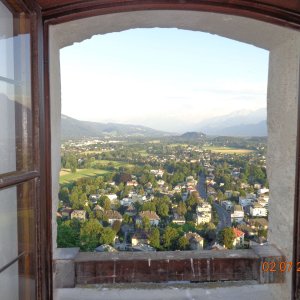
x=283, y=86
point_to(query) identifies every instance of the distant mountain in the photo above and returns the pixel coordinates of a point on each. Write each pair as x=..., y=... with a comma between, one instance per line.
x=72, y=128
x=192, y=135
x=242, y=130
x=239, y=123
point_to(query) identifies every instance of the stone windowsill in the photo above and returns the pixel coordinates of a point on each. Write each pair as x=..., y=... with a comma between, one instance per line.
x=73, y=268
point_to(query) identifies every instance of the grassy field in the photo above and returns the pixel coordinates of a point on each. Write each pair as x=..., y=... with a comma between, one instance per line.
x=65, y=175
x=228, y=150
x=178, y=144
x=115, y=164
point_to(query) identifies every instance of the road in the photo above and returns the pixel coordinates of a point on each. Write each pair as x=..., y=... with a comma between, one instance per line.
x=224, y=217
x=201, y=186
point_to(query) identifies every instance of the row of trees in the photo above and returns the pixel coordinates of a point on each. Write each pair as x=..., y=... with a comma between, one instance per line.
x=84, y=234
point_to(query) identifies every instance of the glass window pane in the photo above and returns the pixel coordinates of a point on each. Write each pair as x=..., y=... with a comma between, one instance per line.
x=17, y=235
x=9, y=283
x=8, y=225
x=8, y=128
x=15, y=92
x=6, y=42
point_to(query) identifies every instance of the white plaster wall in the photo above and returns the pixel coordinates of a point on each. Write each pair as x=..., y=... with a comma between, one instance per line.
x=284, y=46
x=55, y=111
x=283, y=98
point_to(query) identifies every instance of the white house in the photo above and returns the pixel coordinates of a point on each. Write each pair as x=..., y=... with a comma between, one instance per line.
x=203, y=217
x=204, y=207
x=177, y=219
x=257, y=210
x=112, y=197
x=78, y=214
x=151, y=215
x=112, y=216
x=262, y=191
x=126, y=201
x=140, y=237
x=94, y=198
x=239, y=238
x=238, y=214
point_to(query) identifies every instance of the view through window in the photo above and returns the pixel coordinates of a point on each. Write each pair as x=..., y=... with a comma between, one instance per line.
x=163, y=143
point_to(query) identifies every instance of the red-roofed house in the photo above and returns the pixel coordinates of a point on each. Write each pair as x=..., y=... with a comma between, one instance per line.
x=239, y=238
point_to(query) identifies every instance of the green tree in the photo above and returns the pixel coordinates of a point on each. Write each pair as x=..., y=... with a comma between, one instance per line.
x=107, y=236
x=146, y=223
x=263, y=233
x=116, y=226
x=183, y=243
x=154, y=238
x=90, y=234
x=163, y=210
x=181, y=209
x=226, y=237
x=149, y=206
x=105, y=202
x=68, y=234
x=64, y=194
x=170, y=237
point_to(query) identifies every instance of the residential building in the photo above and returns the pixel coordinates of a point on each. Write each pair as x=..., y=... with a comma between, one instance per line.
x=204, y=207
x=239, y=238
x=245, y=201
x=177, y=219
x=151, y=215
x=238, y=214
x=257, y=210
x=94, y=198
x=195, y=241
x=66, y=212
x=140, y=237
x=78, y=214
x=259, y=223
x=112, y=197
x=126, y=201
x=112, y=216
x=203, y=217
x=130, y=211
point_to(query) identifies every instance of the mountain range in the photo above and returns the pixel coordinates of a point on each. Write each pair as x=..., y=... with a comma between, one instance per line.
x=240, y=123
x=72, y=128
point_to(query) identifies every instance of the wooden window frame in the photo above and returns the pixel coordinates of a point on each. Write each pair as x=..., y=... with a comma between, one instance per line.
x=37, y=173
x=60, y=13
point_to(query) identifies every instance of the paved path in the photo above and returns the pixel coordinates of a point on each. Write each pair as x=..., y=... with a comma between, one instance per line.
x=201, y=186
x=224, y=217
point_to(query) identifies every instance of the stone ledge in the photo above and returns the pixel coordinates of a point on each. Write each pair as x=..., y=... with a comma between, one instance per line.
x=191, y=266
x=64, y=267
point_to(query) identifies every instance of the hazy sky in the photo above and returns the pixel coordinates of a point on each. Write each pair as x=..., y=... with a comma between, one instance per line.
x=163, y=78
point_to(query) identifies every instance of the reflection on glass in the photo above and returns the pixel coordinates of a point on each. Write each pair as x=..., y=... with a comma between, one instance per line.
x=15, y=92
x=17, y=238
x=9, y=283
